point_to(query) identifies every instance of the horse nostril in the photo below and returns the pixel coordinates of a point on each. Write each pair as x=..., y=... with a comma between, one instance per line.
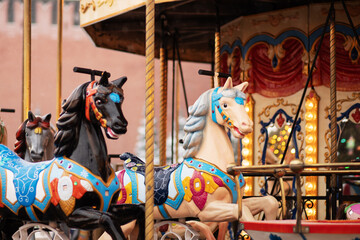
x=35, y=153
x=122, y=122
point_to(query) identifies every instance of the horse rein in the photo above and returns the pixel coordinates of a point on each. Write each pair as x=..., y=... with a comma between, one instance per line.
x=90, y=91
x=215, y=97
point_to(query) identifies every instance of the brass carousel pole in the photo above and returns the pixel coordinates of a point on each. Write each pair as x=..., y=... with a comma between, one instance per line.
x=59, y=55
x=163, y=96
x=333, y=122
x=27, y=59
x=149, y=115
x=217, y=50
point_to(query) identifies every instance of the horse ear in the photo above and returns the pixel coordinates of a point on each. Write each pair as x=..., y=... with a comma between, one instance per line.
x=47, y=117
x=31, y=116
x=228, y=84
x=119, y=82
x=104, y=79
x=242, y=87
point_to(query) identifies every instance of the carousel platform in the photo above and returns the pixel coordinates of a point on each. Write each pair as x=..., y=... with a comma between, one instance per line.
x=310, y=230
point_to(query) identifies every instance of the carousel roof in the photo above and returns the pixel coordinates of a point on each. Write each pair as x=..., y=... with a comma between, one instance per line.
x=192, y=21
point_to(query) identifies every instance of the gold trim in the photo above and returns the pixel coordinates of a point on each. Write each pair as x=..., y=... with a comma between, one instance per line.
x=120, y=12
x=110, y=179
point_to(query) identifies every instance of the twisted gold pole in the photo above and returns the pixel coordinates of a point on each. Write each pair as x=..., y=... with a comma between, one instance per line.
x=177, y=111
x=27, y=59
x=149, y=115
x=59, y=55
x=163, y=107
x=333, y=122
x=217, y=58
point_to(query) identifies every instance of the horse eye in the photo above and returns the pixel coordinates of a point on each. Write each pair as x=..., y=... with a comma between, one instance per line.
x=100, y=101
x=225, y=105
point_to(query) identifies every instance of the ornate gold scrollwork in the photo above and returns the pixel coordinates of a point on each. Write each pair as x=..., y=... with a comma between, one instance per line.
x=266, y=114
x=87, y=4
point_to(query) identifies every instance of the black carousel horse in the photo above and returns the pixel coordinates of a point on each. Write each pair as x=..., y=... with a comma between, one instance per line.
x=78, y=186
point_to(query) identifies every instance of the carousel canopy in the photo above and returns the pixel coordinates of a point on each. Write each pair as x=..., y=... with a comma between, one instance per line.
x=274, y=51
x=120, y=25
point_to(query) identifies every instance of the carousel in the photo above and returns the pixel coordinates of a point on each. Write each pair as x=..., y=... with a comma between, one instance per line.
x=270, y=150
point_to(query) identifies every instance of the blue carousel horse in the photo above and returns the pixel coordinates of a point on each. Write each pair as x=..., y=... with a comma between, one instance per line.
x=35, y=139
x=78, y=186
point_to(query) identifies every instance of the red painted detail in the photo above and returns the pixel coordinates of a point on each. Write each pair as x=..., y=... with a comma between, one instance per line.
x=356, y=115
x=78, y=190
x=55, y=198
x=280, y=120
x=123, y=196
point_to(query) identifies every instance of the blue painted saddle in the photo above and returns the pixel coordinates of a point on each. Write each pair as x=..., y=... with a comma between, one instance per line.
x=161, y=174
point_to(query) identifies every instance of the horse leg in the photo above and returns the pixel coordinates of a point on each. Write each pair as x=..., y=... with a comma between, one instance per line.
x=129, y=212
x=206, y=229
x=88, y=218
x=268, y=204
x=220, y=212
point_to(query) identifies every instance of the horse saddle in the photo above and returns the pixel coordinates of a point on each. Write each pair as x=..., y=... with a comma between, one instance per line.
x=161, y=175
x=25, y=174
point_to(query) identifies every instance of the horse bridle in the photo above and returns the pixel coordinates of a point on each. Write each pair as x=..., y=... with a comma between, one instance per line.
x=89, y=102
x=215, y=97
x=38, y=124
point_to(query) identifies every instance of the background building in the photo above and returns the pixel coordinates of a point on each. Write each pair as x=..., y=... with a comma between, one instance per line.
x=78, y=50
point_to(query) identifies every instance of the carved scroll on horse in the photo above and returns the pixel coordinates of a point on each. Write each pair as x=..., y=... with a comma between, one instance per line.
x=78, y=186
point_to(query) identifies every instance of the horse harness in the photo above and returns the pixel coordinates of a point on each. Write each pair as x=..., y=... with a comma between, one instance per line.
x=193, y=179
x=89, y=102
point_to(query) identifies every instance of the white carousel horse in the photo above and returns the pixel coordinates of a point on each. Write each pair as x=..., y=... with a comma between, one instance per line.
x=199, y=186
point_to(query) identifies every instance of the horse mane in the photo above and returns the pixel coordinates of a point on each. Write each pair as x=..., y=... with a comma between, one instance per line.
x=20, y=144
x=68, y=124
x=196, y=121
x=195, y=125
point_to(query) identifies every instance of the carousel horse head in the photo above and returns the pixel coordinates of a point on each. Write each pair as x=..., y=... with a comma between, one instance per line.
x=226, y=108
x=35, y=139
x=98, y=103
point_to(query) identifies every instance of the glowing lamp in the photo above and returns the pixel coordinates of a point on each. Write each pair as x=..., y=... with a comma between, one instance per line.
x=309, y=149
x=245, y=152
x=309, y=127
x=309, y=139
x=309, y=105
x=309, y=116
x=309, y=160
x=309, y=186
x=245, y=163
